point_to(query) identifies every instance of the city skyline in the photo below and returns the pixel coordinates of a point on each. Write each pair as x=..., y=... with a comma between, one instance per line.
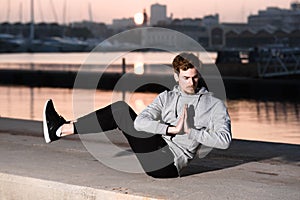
x=102, y=11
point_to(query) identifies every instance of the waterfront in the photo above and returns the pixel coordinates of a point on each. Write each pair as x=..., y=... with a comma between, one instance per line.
x=253, y=118
x=263, y=159
x=272, y=121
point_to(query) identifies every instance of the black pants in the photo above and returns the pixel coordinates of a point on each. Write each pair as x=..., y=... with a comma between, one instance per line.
x=151, y=149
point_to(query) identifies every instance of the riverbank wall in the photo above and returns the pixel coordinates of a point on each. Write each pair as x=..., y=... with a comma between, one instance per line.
x=235, y=86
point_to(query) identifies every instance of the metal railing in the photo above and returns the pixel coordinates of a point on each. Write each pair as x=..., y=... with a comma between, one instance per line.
x=278, y=62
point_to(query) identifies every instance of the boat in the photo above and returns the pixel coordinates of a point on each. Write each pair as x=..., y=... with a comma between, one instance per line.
x=12, y=44
x=267, y=61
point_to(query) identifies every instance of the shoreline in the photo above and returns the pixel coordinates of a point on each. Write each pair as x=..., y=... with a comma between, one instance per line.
x=34, y=127
x=236, y=87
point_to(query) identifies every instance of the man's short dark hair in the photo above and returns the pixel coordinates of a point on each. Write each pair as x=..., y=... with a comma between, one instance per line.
x=185, y=61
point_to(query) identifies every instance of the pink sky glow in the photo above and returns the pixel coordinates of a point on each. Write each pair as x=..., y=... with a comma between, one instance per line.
x=105, y=11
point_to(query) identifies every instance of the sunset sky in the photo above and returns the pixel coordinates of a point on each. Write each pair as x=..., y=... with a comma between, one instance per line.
x=106, y=10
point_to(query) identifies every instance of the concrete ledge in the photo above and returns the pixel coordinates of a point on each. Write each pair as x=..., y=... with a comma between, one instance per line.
x=32, y=169
x=26, y=188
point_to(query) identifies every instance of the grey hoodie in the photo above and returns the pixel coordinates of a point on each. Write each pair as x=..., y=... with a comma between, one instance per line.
x=207, y=116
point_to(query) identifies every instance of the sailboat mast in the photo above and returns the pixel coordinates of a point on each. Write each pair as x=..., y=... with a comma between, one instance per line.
x=31, y=36
x=21, y=12
x=90, y=13
x=8, y=11
x=64, y=13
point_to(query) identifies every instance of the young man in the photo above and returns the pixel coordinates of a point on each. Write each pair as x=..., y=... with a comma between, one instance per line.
x=166, y=135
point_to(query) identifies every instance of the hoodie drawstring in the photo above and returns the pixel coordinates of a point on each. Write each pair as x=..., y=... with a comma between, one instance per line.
x=175, y=108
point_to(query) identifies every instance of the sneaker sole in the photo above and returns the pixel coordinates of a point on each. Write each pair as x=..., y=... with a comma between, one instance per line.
x=45, y=127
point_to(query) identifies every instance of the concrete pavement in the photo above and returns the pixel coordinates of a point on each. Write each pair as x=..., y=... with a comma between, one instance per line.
x=31, y=169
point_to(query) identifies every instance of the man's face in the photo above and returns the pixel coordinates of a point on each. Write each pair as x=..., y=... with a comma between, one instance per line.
x=188, y=80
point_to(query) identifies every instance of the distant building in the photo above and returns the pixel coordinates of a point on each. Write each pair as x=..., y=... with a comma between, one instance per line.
x=158, y=37
x=158, y=14
x=278, y=17
x=271, y=26
x=166, y=39
x=190, y=27
x=295, y=5
x=210, y=20
x=244, y=36
x=122, y=24
x=216, y=37
x=187, y=22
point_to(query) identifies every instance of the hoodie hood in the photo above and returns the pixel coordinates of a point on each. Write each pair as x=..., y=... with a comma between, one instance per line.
x=200, y=91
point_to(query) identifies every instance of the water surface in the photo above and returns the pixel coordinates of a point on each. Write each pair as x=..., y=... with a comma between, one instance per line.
x=271, y=121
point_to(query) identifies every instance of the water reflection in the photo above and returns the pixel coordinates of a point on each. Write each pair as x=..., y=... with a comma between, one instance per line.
x=277, y=111
x=251, y=119
x=139, y=68
x=265, y=120
x=31, y=103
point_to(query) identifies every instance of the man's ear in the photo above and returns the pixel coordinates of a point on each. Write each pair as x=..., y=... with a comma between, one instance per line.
x=176, y=77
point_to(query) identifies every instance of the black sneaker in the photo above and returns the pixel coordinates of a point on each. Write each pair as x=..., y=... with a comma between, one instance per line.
x=51, y=122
